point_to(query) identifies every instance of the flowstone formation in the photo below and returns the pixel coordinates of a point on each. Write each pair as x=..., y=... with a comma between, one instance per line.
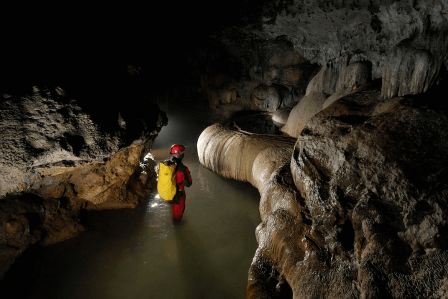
x=266, y=60
x=59, y=156
x=356, y=208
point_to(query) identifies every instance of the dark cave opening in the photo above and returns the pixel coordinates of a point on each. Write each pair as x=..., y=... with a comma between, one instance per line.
x=347, y=236
x=76, y=142
x=285, y=291
x=259, y=122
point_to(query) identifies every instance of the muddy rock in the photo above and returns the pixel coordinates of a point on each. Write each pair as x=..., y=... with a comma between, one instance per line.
x=111, y=184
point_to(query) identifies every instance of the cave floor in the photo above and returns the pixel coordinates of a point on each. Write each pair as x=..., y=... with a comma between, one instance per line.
x=142, y=253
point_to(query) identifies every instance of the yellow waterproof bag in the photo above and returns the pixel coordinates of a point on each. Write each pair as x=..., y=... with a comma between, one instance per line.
x=166, y=183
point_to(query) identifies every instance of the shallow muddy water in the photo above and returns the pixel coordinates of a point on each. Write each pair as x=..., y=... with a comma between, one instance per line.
x=141, y=253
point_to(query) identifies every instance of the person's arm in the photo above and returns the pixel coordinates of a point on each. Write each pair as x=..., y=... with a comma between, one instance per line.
x=187, y=176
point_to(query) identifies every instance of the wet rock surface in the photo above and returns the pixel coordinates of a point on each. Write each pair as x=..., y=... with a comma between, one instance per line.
x=356, y=208
x=233, y=153
x=364, y=169
x=302, y=112
x=266, y=59
x=59, y=158
x=352, y=204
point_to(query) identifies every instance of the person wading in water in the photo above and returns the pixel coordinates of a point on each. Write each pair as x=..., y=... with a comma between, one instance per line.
x=183, y=179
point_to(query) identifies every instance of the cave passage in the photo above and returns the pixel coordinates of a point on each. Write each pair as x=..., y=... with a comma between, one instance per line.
x=141, y=253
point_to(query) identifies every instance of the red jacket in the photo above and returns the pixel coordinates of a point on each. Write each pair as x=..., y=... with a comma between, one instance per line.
x=183, y=179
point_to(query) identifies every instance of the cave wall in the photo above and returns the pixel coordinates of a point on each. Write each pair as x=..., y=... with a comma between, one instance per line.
x=355, y=208
x=62, y=154
x=369, y=160
x=358, y=208
x=299, y=57
x=266, y=60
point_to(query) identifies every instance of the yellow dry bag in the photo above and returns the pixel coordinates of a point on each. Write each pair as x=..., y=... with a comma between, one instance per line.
x=166, y=183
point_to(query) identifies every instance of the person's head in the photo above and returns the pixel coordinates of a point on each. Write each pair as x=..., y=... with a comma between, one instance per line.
x=177, y=151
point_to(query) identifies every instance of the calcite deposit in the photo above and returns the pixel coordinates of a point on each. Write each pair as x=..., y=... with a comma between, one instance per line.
x=353, y=195
x=277, y=47
x=356, y=208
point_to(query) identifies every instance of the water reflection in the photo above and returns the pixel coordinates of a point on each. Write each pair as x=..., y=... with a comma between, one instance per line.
x=142, y=253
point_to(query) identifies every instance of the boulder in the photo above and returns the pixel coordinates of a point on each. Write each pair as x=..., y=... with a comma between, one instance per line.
x=382, y=165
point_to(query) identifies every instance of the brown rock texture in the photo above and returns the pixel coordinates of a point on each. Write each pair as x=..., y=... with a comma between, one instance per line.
x=356, y=208
x=59, y=157
x=378, y=163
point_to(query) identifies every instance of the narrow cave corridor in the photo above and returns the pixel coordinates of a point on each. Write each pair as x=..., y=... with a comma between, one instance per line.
x=340, y=190
x=136, y=253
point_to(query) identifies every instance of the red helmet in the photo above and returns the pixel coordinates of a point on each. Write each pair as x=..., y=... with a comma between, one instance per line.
x=177, y=150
